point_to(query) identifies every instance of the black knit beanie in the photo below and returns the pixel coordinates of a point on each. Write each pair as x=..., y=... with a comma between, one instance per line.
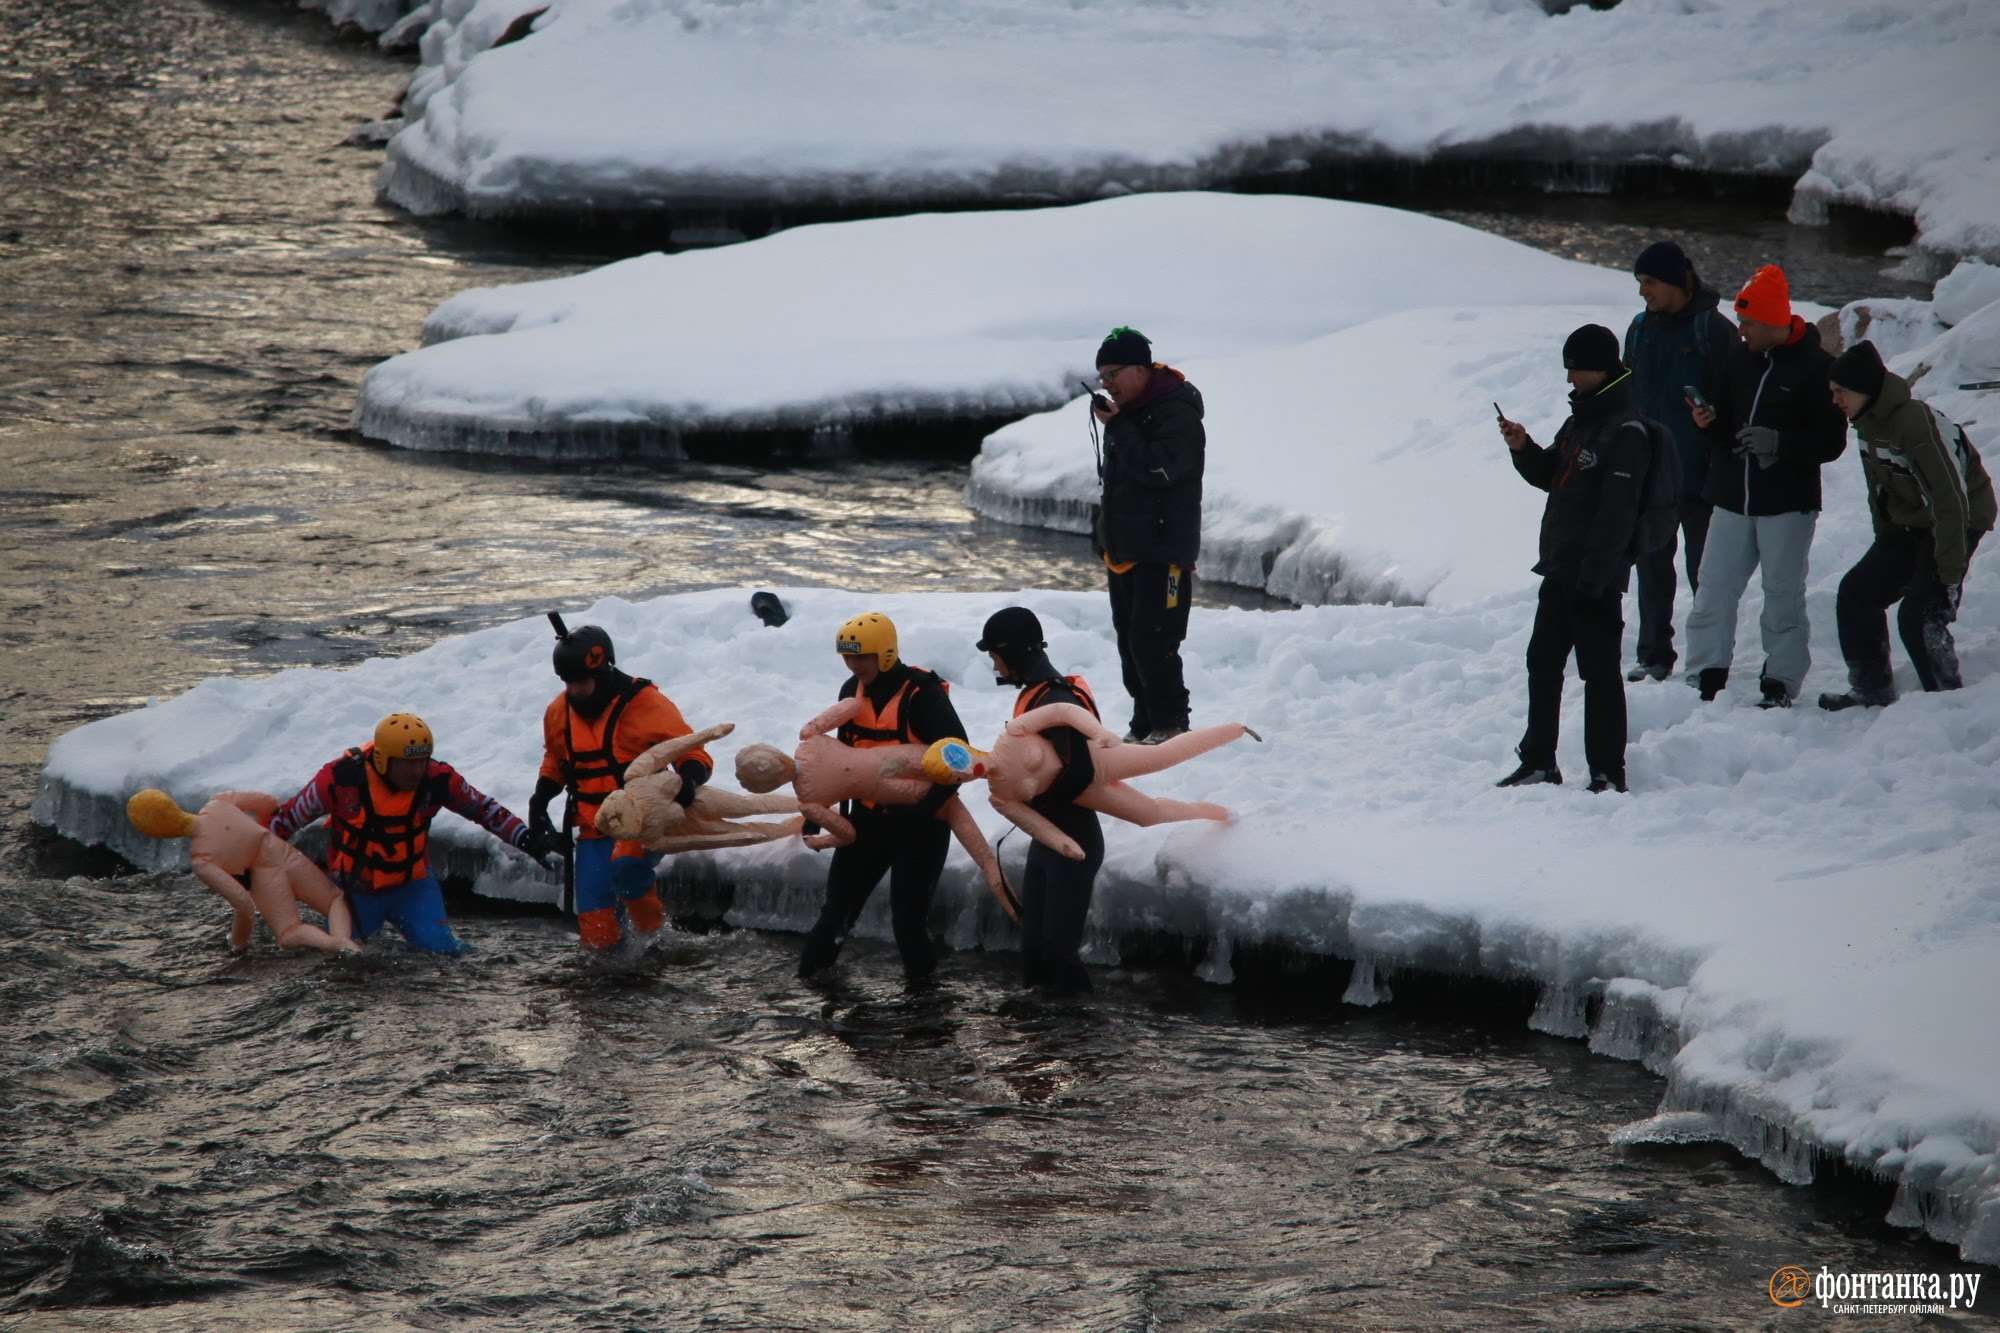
x=1125, y=347
x=1592, y=347
x=1859, y=369
x=1667, y=262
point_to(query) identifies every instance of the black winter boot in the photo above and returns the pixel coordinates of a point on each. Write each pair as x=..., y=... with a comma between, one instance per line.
x=1602, y=782
x=1712, y=681
x=1840, y=703
x=1775, y=694
x=1527, y=775
x=1648, y=671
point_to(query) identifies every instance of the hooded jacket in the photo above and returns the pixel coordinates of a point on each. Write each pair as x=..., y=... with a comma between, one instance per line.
x=1923, y=473
x=1785, y=389
x=1154, y=453
x=1594, y=473
x=1693, y=346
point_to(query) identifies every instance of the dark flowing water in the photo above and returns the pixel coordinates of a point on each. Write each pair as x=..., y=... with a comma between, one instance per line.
x=195, y=277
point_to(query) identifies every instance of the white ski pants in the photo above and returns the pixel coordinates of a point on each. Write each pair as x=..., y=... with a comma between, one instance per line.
x=1778, y=544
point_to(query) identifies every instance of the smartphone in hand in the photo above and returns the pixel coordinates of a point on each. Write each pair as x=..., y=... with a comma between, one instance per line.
x=1694, y=395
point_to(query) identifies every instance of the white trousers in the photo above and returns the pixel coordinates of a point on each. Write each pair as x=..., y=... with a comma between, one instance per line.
x=1778, y=544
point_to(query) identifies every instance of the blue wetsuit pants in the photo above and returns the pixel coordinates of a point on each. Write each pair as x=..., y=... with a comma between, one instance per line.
x=415, y=908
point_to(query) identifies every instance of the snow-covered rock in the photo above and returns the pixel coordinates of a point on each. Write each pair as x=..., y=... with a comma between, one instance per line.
x=634, y=104
x=1793, y=915
x=936, y=315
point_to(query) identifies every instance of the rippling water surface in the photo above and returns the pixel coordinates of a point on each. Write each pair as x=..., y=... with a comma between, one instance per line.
x=193, y=277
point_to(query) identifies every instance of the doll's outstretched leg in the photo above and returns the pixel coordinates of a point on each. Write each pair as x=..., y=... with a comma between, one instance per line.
x=1135, y=807
x=1122, y=761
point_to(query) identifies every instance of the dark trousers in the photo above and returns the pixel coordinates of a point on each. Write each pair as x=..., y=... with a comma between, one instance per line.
x=910, y=849
x=1900, y=567
x=1657, y=584
x=1149, y=611
x=1566, y=619
x=1055, y=899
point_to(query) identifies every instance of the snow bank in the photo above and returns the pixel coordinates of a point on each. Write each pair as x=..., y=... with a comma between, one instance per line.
x=638, y=104
x=1793, y=915
x=367, y=15
x=940, y=315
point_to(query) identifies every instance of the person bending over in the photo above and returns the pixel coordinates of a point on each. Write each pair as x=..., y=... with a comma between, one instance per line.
x=379, y=800
x=1931, y=501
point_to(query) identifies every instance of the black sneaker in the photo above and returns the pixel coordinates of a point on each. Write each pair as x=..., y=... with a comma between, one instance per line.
x=1711, y=682
x=1649, y=671
x=1163, y=734
x=1605, y=782
x=1775, y=694
x=1840, y=703
x=1527, y=775
x=1134, y=736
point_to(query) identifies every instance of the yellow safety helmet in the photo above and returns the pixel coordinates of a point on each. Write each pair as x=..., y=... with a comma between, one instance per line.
x=400, y=736
x=869, y=632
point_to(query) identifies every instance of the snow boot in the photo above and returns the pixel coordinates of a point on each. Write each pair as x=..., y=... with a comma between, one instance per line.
x=1606, y=782
x=1648, y=671
x=1527, y=775
x=1840, y=703
x=1711, y=682
x=1163, y=734
x=1775, y=694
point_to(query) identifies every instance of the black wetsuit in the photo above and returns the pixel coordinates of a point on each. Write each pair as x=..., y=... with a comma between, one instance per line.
x=906, y=842
x=1055, y=891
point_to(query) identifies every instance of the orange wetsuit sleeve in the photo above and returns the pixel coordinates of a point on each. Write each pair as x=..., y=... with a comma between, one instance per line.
x=649, y=719
x=555, y=744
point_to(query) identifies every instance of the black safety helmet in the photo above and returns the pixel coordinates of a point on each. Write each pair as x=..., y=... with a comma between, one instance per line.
x=1012, y=632
x=584, y=652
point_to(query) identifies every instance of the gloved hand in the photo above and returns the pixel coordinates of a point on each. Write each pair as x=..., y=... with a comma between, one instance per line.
x=1760, y=442
x=541, y=843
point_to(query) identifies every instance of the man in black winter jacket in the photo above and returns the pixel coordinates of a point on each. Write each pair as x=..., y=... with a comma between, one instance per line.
x=1149, y=523
x=1595, y=475
x=1772, y=427
x=1680, y=341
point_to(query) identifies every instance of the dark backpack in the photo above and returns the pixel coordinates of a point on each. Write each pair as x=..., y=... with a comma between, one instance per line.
x=1660, y=495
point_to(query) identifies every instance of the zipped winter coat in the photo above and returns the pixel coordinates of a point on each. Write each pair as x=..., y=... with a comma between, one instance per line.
x=1694, y=346
x=1154, y=453
x=1595, y=474
x=1923, y=473
x=1785, y=389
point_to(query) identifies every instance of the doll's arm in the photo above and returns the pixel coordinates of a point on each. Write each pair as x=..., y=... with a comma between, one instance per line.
x=843, y=711
x=224, y=883
x=671, y=751
x=1038, y=828
x=837, y=831
x=966, y=830
x=1037, y=720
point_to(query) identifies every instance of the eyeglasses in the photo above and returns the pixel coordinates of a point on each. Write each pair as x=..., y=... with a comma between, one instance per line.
x=1106, y=374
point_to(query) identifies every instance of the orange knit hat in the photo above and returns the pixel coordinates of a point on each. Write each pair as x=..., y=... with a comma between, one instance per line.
x=1767, y=297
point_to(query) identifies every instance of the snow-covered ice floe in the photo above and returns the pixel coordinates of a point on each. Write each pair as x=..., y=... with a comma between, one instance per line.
x=635, y=104
x=1794, y=916
x=930, y=316
x=1365, y=466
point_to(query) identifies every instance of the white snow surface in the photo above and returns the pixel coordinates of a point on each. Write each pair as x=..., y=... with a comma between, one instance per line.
x=1793, y=915
x=947, y=314
x=634, y=103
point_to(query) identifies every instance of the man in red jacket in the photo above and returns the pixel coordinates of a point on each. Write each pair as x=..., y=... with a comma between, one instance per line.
x=378, y=800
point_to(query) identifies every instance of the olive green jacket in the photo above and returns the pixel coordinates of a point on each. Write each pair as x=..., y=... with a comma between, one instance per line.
x=1923, y=473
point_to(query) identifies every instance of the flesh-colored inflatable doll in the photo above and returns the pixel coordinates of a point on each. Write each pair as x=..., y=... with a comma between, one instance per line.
x=647, y=809
x=1021, y=765
x=228, y=838
x=824, y=773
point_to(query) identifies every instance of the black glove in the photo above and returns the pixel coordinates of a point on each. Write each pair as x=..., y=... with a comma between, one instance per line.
x=693, y=773
x=542, y=843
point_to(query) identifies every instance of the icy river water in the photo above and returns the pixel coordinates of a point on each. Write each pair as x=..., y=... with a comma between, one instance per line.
x=195, y=277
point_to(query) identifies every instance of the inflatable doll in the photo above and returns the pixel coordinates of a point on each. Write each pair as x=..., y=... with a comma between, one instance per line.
x=229, y=838
x=825, y=772
x=1021, y=765
x=647, y=808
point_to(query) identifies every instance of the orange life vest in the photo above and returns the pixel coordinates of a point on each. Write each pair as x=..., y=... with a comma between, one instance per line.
x=593, y=767
x=888, y=724
x=1036, y=694
x=386, y=848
